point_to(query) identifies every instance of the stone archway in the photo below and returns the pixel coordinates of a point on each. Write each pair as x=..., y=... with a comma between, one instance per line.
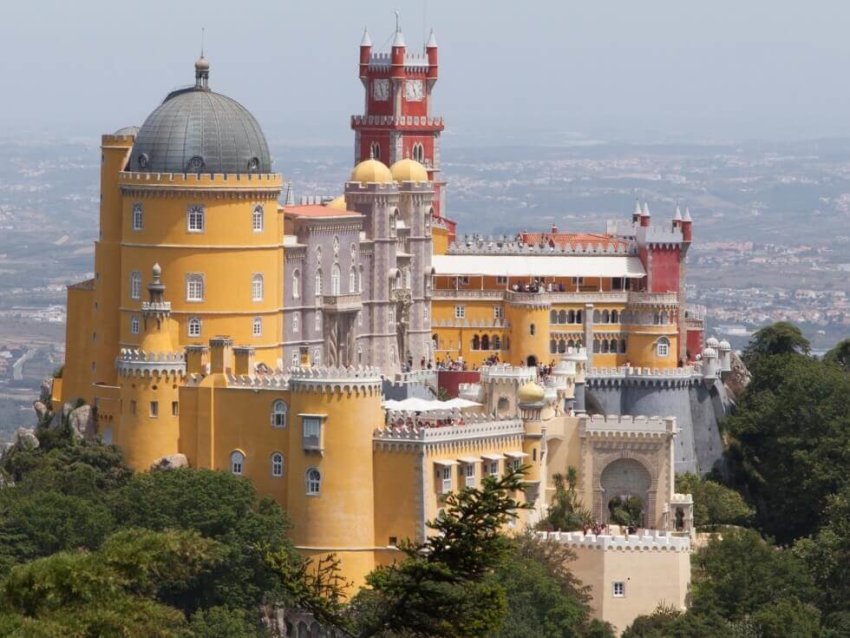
x=624, y=478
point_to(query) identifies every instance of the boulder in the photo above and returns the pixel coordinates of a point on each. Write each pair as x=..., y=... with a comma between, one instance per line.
x=170, y=462
x=81, y=422
x=26, y=438
x=45, y=395
x=41, y=410
x=738, y=378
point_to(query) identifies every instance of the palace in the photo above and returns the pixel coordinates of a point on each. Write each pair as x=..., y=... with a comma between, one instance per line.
x=225, y=330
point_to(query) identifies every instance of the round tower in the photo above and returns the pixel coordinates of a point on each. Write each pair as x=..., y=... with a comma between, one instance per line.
x=149, y=378
x=528, y=317
x=710, y=367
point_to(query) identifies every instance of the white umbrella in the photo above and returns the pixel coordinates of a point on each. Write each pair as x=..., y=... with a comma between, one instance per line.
x=458, y=403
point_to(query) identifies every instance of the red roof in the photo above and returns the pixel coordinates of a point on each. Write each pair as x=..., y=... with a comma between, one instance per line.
x=317, y=210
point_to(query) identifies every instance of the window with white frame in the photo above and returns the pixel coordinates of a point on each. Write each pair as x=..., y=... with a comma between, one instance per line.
x=319, y=282
x=135, y=285
x=360, y=279
x=257, y=287
x=138, y=217
x=460, y=312
x=493, y=467
x=194, y=327
x=312, y=432
x=445, y=474
x=352, y=280
x=469, y=474
x=194, y=287
x=277, y=464
x=296, y=284
x=257, y=327
x=257, y=218
x=134, y=325
x=336, y=276
x=295, y=322
x=317, y=356
x=237, y=462
x=195, y=219
x=279, y=411
x=313, y=478
x=662, y=348
x=296, y=360
x=619, y=589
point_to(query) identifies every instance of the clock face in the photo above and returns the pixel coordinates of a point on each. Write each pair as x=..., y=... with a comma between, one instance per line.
x=381, y=89
x=414, y=90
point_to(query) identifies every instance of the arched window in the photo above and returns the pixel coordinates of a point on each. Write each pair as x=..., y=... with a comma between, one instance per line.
x=405, y=278
x=613, y=346
x=604, y=345
x=606, y=316
x=194, y=287
x=485, y=342
x=296, y=284
x=418, y=153
x=335, y=279
x=257, y=287
x=352, y=280
x=571, y=317
x=615, y=318
x=597, y=316
x=375, y=150
x=656, y=318
x=295, y=322
x=319, y=282
x=277, y=464
x=360, y=279
x=579, y=316
x=138, y=217
x=194, y=327
x=237, y=462
x=279, y=411
x=571, y=344
x=257, y=219
x=476, y=342
x=662, y=347
x=553, y=316
x=135, y=285
x=314, y=481
x=553, y=346
x=195, y=219
x=562, y=346
x=622, y=346
x=532, y=329
x=393, y=222
x=562, y=316
x=596, y=346
x=496, y=343
x=257, y=327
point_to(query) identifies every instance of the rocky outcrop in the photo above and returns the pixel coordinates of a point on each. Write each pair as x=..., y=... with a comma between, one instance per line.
x=170, y=462
x=26, y=438
x=738, y=378
x=45, y=395
x=82, y=423
x=42, y=412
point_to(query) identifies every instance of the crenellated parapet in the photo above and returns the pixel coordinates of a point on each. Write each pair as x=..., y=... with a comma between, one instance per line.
x=356, y=378
x=644, y=377
x=601, y=426
x=475, y=426
x=258, y=381
x=647, y=541
x=136, y=362
x=512, y=245
x=506, y=373
x=245, y=186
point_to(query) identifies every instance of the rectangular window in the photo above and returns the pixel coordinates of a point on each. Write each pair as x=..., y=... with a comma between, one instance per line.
x=460, y=312
x=175, y=408
x=154, y=408
x=135, y=285
x=134, y=325
x=463, y=281
x=195, y=219
x=257, y=327
x=132, y=407
x=194, y=288
x=138, y=218
x=312, y=426
x=501, y=280
x=619, y=589
x=617, y=283
x=469, y=474
x=296, y=361
x=498, y=312
x=446, y=479
x=493, y=468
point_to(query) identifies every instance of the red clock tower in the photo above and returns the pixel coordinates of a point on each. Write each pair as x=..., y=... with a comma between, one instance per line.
x=397, y=122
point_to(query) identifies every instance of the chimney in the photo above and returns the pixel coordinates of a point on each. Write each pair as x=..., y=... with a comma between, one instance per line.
x=221, y=355
x=196, y=359
x=243, y=360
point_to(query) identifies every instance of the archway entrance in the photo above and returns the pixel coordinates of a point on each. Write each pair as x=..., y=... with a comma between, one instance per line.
x=625, y=491
x=531, y=361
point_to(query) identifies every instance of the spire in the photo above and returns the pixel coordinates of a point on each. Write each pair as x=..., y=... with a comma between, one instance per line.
x=398, y=40
x=638, y=211
x=678, y=216
x=646, y=209
x=687, y=215
x=156, y=289
x=432, y=41
x=202, y=72
x=366, y=41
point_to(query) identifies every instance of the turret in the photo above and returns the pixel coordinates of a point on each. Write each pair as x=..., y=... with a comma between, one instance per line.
x=710, y=368
x=365, y=55
x=687, y=224
x=637, y=214
x=431, y=51
x=644, y=216
x=677, y=218
x=724, y=351
x=397, y=55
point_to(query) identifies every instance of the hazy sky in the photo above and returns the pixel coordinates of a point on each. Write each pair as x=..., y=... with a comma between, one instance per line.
x=629, y=69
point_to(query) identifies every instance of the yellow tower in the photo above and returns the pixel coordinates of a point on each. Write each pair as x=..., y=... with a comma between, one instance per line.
x=528, y=316
x=149, y=380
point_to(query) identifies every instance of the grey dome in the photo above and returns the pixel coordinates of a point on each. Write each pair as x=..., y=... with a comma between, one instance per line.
x=198, y=131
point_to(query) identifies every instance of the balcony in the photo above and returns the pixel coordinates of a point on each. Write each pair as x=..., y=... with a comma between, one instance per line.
x=342, y=303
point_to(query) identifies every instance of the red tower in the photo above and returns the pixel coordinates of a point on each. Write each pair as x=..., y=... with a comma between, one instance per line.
x=397, y=122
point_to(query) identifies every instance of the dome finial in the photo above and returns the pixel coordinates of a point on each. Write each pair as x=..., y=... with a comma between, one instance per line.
x=202, y=68
x=398, y=39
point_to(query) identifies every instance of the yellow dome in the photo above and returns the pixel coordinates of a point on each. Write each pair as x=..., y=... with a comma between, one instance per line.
x=408, y=170
x=531, y=393
x=371, y=171
x=337, y=203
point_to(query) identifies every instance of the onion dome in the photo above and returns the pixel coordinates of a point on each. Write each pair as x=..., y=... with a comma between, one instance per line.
x=408, y=170
x=531, y=392
x=725, y=345
x=709, y=353
x=196, y=130
x=711, y=342
x=337, y=203
x=371, y=171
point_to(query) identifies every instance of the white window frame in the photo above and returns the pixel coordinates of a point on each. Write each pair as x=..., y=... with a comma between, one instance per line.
x=313, y=481
x=135, y=325
x=662, y=347
x=296, y=360
x=193, y=327
x=311, y=432
x=257, y=327
x=135, y=285
x=277, y=464
x=296, y=284
x=445, y=479
x=469, y=474
x=460, y=311
x=618, y=589
x=195, y=219
x=352, y=280
x=295, y=324
x=257, y=218
x=336, y=280
x=194, y=285
x=318, y=284
x=138, y=217
x=258, y=284
x=493, y=467
x=279, y=413
x=237, y=463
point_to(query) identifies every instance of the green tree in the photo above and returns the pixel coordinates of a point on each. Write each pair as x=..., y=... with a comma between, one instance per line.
x=714, y=504
x=566, y=512
x=442, y=587
x=781, y=337
x=840, y=355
